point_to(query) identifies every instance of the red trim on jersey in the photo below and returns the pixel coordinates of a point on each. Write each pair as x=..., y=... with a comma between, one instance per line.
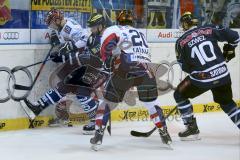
x=100, y=111
x=158, y=125
x=99, y=122
x=107, y=47
x=154, y=115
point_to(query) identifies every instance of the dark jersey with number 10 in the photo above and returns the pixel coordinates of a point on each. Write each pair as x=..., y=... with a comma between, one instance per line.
x=199, y=55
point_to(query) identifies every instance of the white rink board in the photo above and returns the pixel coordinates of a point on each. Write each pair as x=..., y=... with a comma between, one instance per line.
x=14, y=55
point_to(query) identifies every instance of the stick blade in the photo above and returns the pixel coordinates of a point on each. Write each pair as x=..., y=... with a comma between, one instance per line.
x=21, y=87
x=138, y=134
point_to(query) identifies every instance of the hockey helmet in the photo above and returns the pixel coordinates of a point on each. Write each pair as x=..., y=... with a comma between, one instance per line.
x=188, y=19
x=53, y=15
x=125, y=17
x=95, y=19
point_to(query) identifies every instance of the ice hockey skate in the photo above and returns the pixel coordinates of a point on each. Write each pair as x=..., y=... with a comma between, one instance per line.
x=191, y=133
x=89, y=128
x=96, y=141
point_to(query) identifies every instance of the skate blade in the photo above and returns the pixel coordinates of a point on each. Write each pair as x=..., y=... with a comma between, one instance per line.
x=194, y=137
x=88, y=132
x=96, y=147
x=167, y=146
x=28, y=111
x=54, y=125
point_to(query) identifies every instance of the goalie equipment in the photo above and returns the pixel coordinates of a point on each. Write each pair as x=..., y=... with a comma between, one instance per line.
x=228, y=52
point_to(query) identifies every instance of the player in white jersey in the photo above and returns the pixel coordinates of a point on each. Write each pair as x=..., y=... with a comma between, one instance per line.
x=73, y=39
x=124, y=49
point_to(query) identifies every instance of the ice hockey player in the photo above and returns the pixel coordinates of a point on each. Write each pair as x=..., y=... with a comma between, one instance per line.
x=75, y=39
x=125, y=17
x=125, y=50
x=198, y=53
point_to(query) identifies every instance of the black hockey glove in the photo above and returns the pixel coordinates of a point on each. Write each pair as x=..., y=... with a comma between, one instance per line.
x=66, y=47
x=228, y=52
x=63, y=52
x=54, y=40
x=55, y=57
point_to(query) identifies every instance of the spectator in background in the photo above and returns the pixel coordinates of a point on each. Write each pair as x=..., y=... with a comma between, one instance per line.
x=5, y=12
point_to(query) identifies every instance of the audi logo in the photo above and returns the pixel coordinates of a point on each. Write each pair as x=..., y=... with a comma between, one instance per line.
x=11, y=82
x=11, y=35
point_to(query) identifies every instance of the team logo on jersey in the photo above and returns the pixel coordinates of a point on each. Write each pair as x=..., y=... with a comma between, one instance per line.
x=67, y=29
x=207, y=31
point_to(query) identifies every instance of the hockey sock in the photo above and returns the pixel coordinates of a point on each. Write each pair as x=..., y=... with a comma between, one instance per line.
x=233, y=112
x=156, y=114
x=89, y=105
x=102, y=116
x=186, y=109
x=52, y=96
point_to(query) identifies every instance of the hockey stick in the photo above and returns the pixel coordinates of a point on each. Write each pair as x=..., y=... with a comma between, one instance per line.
x=21, y=87
x=26, y=109
x=109, y=127
x=30, y=65
x=149, y=133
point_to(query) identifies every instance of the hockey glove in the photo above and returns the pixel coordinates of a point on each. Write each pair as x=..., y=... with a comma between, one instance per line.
x=55, y=57
x=66, y=47
x=54, y=40
x=228, y=52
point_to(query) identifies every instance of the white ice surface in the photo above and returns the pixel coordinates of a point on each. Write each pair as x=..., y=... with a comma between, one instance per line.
x=220, y=141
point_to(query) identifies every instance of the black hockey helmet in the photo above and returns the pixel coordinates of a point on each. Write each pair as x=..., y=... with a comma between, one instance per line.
x=188, y=18
x=125, y=17
x=95, y=19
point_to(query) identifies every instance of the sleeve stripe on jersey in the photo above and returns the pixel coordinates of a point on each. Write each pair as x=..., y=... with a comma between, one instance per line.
x=235, y=44
x=107, y=46
x=238, y=40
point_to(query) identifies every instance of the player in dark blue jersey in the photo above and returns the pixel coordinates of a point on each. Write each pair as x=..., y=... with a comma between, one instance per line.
x=200, y=56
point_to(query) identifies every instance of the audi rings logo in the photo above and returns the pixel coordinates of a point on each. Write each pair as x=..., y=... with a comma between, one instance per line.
x=12, y=83
x=11, y=35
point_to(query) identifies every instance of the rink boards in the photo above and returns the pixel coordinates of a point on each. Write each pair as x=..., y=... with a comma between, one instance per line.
x=12, y=116
x=130, y=114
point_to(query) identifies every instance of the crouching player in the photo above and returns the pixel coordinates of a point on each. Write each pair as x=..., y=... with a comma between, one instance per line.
x=75, y=41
